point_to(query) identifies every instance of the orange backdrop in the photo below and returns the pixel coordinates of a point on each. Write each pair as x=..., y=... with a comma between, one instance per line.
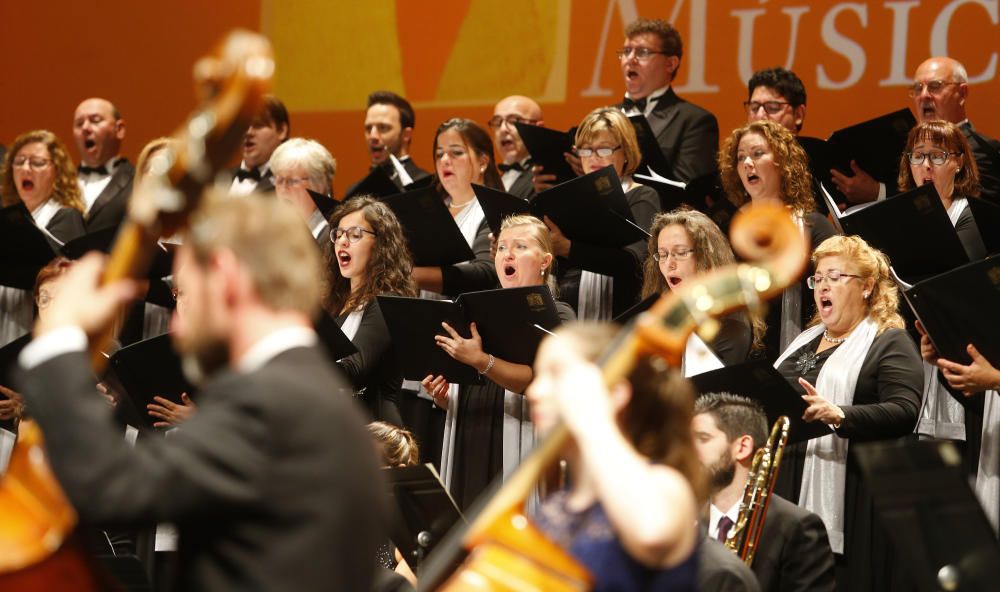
x=457, y=57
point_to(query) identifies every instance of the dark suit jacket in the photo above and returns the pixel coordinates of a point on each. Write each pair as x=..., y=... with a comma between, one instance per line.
x=108, y=210
x=720, y=570
x=987, y=153
x=272, y=483
x=794, y=552
x=522, y=186
x=66, y=225
x=687, y=134
x=416, y=173
x=265, y=184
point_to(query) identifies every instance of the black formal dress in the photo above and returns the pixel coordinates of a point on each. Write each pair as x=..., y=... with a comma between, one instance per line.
x=273, y=483
x=885, y=407
x=478, y=448
x=108, y=210
x=687, y=134
x=623, y=265
x=374, y=371
x=474, y=275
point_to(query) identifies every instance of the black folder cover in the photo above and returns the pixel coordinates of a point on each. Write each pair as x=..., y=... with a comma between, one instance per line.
x=961, y=307
x=987, y=217
x=324, y=203
x=103, y=240
x=636, y=309
x=912, y=228
x=652, y=155
x=505, y=319
x=674, y=194
x=150, y=368
x=425, y=511
x=337, y=344
x=498, y=205
x=24, y=248
x=592, y=209
x=876, y=145
x=546, y=147
x=377, y=182
x=431, y=232
x=760, y=381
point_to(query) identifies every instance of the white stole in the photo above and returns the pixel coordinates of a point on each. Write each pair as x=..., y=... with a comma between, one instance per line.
x=596, y=294
x=987, y=477
x=825, y=471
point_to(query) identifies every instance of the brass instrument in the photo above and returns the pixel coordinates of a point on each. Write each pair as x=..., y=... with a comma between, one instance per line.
x=745, y=535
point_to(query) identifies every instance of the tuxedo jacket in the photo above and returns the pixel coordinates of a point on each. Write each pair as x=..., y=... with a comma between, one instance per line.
x=272, y=483
x=416, y=173
x=987, y=153
x=720, y=570
x=66, y=225
x=794, y=552
x=109, y=209
x=522, y=186
x=687, y=134
x=265, y=185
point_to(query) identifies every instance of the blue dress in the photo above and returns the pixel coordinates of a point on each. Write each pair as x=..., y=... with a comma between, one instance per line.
x=590, y=538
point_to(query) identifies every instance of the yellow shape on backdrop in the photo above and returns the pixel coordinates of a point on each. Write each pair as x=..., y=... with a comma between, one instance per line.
x=330, y=55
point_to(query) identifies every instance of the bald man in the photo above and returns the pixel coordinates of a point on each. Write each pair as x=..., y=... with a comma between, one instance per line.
x=516, y=167
x=105, y=178
x=940, y=90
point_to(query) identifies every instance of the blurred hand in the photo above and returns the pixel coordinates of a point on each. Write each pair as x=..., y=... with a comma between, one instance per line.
x=574, y=163
x=976, y=377
x=541, y=181
x=927, y=351
x=860, y=188
x=108, y=394
x=437, y=387
x=12, y=407
x=171, y=413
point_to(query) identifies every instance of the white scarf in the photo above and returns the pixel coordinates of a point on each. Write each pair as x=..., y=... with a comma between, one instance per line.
x=791, y=302
x=698, y=358
x=987, y=478
x=596, y=294
x=825, y=471
x=518, y=434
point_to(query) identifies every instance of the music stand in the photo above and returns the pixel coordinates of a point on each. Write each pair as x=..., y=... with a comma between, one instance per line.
x=933, y=518
x=426, y=511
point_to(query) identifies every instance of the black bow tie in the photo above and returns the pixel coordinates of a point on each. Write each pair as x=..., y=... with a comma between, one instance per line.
x=86, y=170
x=514, y=166
x=244, y=174
x=639, y=104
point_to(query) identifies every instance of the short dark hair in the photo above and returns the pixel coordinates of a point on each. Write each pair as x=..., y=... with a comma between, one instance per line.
x=670, y=39
x=735, y=415
x=274, y=111
x=387, y=97
x=782, y=81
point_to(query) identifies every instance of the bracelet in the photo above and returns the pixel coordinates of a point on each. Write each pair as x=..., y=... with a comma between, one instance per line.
x=489, y=366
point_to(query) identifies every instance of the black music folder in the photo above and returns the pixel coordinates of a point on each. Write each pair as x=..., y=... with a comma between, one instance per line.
x=24, y=248
x=103, y=240
x=675, y=194
x=653, y=159
x=425, y=511
x=324, y=203
x=147, y=369
x=546, y=147
x=636, y=309
x=760, y=381
x=499, y=205
x=935, y=522
x=960, y=307
x=876, y=145
x=987, y=217
x=433, y=236
x=377, y=183
x=505, y=319
x=592, y=209
x=336, y=343
x=912, y=229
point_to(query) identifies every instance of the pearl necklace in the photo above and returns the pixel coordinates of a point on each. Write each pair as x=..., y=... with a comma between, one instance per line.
x=826, y=336
x=461, y=205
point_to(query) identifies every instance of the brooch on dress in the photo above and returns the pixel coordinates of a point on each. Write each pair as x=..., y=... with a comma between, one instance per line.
x=805, y=362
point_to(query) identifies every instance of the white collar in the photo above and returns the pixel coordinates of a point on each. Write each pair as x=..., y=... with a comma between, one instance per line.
x=655, y=95
x=111, y=164
x=277, y=342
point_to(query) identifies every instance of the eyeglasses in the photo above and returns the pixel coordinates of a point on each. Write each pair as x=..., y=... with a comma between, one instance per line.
x=937, y=157
x=36, y=164
x=641, y=53
x=770, y=107
x=678, y=255
x=600, y=152
x=497, y=120
x=354, y=233
x=833, y=276
x=290, y=181
x=934, y=87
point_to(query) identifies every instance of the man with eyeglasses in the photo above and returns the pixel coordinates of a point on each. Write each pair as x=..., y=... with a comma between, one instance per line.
x=687, y=134
x=105, y=178
x=389, y=123
x=516, y=165
x=939, y=91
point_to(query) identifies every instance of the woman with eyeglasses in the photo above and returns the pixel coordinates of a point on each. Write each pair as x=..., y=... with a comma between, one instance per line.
x=39, y=178
x=602, y=282
x=682, y=245
x=369, y=258
x=299, y=166
x=860, y=374
x=762, y=163
x=488, y=430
